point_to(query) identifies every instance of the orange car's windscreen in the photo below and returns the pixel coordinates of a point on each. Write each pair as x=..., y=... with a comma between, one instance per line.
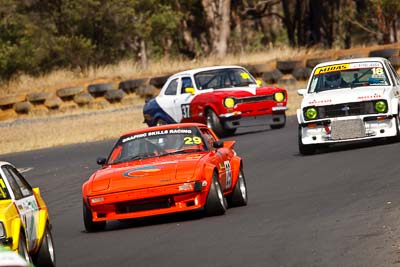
x=157, y=144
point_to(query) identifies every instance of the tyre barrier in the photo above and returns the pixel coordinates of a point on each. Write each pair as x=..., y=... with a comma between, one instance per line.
x=130, y=91
x=159, y=81
x=287, y=66
x=130, y=86
x=37, y=98
x=100, y=89
x=386, y=52
x=68, y=93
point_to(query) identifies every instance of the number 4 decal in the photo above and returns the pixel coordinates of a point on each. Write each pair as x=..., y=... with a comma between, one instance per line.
x=185, y=111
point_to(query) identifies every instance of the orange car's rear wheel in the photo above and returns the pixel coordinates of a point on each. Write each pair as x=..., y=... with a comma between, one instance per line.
x=46, y=256
x=239, y=194
x=90, y=225
x=216, y=202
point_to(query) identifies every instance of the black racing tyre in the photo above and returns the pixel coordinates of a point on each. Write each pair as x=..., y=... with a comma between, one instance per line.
x=305, y=149
x=46, y=255
x=386, y=52
x=279, y=126
x=216, y=202
x=90, y=225
x=22, y=249
x=214, y=123
x=239, y=194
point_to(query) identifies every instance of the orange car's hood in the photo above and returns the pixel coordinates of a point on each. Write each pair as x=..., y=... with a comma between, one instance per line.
x=145, y=173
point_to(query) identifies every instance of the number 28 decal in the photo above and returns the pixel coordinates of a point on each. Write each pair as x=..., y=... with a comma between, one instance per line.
x=185, y=111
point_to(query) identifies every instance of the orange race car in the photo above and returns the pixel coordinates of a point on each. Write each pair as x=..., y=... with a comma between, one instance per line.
x=165, y=169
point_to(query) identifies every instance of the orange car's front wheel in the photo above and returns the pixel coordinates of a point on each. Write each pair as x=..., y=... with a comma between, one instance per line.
x=90, y=225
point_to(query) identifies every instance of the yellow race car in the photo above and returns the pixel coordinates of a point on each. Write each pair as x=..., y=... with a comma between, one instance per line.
x=24, y=219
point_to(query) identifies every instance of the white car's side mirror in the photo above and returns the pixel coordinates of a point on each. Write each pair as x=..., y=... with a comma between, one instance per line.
x=302, y=92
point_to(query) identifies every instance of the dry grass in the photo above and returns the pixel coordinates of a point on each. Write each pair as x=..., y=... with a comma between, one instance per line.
x=50, y=132
x=129, y=69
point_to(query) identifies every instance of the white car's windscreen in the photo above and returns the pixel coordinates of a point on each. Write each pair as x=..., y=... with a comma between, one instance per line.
x=349, y=75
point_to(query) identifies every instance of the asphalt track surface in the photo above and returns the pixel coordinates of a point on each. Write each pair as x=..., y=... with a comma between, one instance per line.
x=339, y=207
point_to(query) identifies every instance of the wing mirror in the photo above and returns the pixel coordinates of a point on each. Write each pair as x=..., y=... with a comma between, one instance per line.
x=189, y=90
x=302, y=92
x=218, y=144
x=101, y=161
x=259, y=82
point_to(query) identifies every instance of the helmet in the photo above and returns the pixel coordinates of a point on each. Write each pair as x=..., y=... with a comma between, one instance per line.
x=333, y=79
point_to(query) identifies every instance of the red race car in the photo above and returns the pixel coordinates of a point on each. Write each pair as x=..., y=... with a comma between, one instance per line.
x=165, y=169
x=223, y=97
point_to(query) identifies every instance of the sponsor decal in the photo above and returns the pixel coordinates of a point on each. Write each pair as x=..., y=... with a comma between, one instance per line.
x=245, y=75
x=374, y=96
x=315, y=102
x=347, y=66
x=150, y=168
x=155, y=133
x=331, y=68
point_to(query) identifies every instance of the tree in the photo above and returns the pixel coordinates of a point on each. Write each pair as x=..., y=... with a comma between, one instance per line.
x=218, y=21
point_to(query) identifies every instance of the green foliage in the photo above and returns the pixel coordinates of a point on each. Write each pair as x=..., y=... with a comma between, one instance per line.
x=38, y=36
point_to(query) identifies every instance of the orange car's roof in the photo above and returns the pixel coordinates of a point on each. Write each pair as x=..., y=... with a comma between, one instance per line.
x=165, y=127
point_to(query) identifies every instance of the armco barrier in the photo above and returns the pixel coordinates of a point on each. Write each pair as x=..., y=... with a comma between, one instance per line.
x=125, y=92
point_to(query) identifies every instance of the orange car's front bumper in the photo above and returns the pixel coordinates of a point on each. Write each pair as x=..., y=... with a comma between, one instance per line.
x=149, y=202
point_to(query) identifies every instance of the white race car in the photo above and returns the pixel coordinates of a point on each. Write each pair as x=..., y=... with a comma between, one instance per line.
x=349, y=100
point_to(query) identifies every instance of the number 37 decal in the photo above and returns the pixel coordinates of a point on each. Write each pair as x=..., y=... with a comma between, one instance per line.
x=185, y=111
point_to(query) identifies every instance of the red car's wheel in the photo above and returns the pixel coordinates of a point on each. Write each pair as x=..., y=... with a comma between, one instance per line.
x=91, y=226
x=239, y=194
x=214, y=123
x=216, y=202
